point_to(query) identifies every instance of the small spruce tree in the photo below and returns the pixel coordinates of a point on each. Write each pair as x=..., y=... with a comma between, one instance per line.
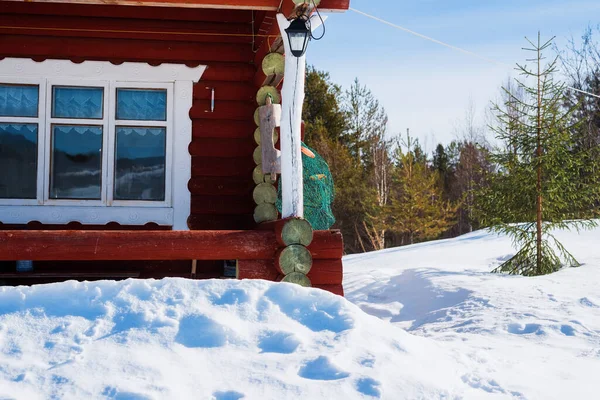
x=544, y=180
x=418, y=211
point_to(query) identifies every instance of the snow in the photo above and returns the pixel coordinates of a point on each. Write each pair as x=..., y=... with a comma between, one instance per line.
x=420, y=322
x=510, y=336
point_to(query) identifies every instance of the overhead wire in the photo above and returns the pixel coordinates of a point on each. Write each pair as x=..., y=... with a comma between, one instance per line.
x=470, y=53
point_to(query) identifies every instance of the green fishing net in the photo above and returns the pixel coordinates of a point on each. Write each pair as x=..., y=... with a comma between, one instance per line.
x=319, y=191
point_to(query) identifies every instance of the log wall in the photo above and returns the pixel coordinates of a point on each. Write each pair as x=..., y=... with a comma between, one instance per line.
x=222, y=144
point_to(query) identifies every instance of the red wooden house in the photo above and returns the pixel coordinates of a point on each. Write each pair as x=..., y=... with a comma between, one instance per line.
x=127, y=143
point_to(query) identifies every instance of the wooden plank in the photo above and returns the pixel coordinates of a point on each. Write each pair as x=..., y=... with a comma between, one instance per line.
x=327, y=245
x=327, y=272
x=121, y=49
x=221, y=186
x=257, y=269
x=221, y=147
x=221, y=166
x=142, y=245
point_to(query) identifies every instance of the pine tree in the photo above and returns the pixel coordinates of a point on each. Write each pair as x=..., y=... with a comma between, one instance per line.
x=418, y=210
x=539, y=186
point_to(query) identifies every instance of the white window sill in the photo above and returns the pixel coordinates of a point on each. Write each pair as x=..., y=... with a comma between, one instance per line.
x=87, y=215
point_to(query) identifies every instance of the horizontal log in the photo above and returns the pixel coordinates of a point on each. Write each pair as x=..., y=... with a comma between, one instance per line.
x=222, y=147
x=265, y=193
x=273, y=64
x=270, y=5
x=327, y=272
x=221, y=222
x=113, y=28
x=231, y=72
x=222, y=205
x=327, y=244
x=291, y=259
x=228, y=186
x=122, y=49
x=265, y=212
x=228, y=91
x=116, y=11
x=259, y=177
x=142, y=245
x=257, y=269
x=297, y=278
x=265, y=92
x=335, y=289
x=222, y=128
x=232, y=110
x=222, y=166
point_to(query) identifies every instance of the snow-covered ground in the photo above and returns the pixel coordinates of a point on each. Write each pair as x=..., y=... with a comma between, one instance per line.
x=510, y=336
x=441, y=327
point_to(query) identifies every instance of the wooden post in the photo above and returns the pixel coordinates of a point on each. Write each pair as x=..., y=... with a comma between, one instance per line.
x=292, y=93
x=292, y=99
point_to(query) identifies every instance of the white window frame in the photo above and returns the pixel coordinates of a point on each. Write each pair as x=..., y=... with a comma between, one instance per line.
x=103, y=122
x=39, y=120
x=176, y=78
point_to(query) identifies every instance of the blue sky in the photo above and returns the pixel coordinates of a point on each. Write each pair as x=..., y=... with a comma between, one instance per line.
x=427, y=87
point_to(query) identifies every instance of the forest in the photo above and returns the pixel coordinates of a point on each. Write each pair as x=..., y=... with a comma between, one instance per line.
x=390, y=192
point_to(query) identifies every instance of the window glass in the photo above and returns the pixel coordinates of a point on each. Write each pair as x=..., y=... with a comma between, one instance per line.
x=142, y=104
x=19, y=100
x=140, y=164
x=76, y=162
x=77, y=102
x=18, y=161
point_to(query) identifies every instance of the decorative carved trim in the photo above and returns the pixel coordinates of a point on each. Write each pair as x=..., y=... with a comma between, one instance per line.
x=87, y=215
x=127, y=71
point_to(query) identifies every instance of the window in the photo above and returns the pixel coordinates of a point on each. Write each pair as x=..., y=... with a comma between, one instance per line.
x=94, y=150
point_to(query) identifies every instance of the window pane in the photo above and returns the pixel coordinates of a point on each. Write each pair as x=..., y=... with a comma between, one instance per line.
x=140, y=104
x=18, y=101
x=76, y=162
x=77, y=102
x=18, y=161
x=140, y=164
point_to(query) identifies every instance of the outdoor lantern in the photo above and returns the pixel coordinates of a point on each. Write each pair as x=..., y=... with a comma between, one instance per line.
x=298, y=35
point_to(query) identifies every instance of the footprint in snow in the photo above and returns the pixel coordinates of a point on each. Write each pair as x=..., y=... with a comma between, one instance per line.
x=567, y=330
x=231, y=395
x=278, y=342
x=518, y=329
x=114, y=394
x=321, y=369
x=199, y=331
x=584, y=301
x=368, y=362
x=231, y=297
x=368, y=387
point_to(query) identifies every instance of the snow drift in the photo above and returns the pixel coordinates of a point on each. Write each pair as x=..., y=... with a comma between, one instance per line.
x=179, y=339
